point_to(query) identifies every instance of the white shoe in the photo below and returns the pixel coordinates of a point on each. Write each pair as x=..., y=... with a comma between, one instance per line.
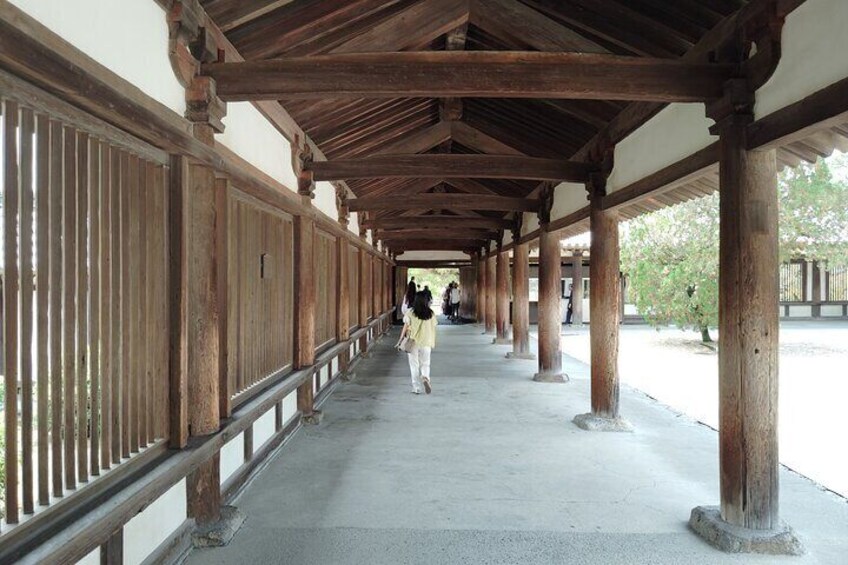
x=415, y=391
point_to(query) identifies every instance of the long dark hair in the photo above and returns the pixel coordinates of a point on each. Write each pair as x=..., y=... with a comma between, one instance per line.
x=409, y=299
x=421, y=307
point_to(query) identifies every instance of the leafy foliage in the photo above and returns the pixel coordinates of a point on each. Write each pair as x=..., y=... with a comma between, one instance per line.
x=436, y=279
x=671, y=256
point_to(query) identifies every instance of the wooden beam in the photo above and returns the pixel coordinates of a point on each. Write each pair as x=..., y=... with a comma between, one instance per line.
x=442, y=201
x=451, y=166
x=418, y=142
x=437, y=244
x=439, y=222
x=496, y=74
x=423, y=233
x=473, y=138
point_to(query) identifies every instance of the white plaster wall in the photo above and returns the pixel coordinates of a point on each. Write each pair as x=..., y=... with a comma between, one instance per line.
x=324, y=375
x=263, y=429
x=137, y=52
x=146, y=531
x=433, y=256
x=353, y=223
x=530, y=223
x=568, y=197
x=814, y=54
x=325, y=200
x=675, y=133
x=232, y=457
x=92, y=558
x=289, y=407
x=254, y=139
x=352, y=350
x=831, y=310
x=369, y=237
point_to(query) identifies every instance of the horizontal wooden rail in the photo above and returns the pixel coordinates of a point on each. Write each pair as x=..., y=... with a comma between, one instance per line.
x=446, y=201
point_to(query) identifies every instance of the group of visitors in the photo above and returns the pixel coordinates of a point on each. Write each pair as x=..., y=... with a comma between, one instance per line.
x=450, y=302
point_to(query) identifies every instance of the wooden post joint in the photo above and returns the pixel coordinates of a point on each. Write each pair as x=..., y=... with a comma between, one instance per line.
x=341, y=205
x=546, y=202
x=189, y=46
x=516, y=227
x=302, y=158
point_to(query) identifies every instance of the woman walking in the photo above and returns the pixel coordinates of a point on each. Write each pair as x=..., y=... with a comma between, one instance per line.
x=419, y=325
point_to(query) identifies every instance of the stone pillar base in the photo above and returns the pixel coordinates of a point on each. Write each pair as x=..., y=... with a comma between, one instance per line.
x=514, y=355
x=502, y=341
x=347, y=376
x=221, y=532
x=547, y=377
x=312, y=419
x=594, y=423
x=706, y=521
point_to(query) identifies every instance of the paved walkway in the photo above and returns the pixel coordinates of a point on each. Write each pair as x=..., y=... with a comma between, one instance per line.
x=489, y=469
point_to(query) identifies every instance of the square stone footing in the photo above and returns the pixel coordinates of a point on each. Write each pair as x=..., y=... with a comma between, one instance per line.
x=312, y=419
x=221, y=532
x=347, y=377
x=514, y=355
x=545, y=377
x=502, y=341
x=594, y=423
x=706, y=521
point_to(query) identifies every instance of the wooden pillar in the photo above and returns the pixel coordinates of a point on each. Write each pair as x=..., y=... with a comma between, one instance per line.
x=550, y=309
x=748, y=349
x=502, y=298
x=480, y=305
x=577, y=288
x=468, y=292
x=521, y=303
x=604, y=300
x=304, y=309
x=343, y=299
x=816, y=298
x=748, y=333
x=363, y=298
x=491, y=284
x=201, y=269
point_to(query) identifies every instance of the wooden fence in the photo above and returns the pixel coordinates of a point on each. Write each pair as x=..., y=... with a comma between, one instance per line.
x=84, y=278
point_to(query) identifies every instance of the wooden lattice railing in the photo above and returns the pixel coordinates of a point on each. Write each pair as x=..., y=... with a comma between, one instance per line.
x=84, y=312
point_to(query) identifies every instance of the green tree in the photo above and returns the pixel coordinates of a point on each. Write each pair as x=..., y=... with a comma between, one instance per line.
x=671, y=256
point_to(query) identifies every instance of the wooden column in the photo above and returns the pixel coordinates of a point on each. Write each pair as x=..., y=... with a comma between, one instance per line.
x=363, y=298
x=577, y=289
x=201, y=272
x=491, y=298
x=480, y=305
x=816, y=298
x=304, y=310
x=343, y=299
x=468, y=291
x=502, y=298
x=748, y=350
x=748, y=333
x=550, y=309
x=521, y=303
x=604, y=299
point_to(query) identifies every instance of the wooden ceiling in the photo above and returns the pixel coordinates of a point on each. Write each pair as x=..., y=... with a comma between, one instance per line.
x=354, y=128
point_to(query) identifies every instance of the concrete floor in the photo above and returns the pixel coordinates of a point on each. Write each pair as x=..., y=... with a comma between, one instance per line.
x=489, y=469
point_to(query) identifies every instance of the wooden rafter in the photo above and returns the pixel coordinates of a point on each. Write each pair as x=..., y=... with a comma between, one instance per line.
x=442, y=222
x=462, y=73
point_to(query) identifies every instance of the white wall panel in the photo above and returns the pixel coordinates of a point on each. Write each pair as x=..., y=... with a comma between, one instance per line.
x=831, y=310
x=675, y=133
x=325, y=200
x=289, y=407
x=530, y=223
x=568, y=198
x=264, y=428
x=136, y=51
x=146, y=531
x=814, y=47
x=92, y=558
x=232, y=457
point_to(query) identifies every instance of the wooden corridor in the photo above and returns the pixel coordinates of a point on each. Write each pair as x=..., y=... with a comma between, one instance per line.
x=490, y=469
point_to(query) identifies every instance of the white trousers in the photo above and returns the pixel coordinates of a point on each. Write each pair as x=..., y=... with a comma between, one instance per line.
x=419, y=365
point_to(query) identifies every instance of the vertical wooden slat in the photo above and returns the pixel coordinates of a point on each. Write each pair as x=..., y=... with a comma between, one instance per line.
x=94, y=302
x=244, y=298
x=232, y=296
x=162, y=285
x=177, y=302
x=27, y=128
x=56, y=199
x=116, y=310
x=82, y=306
x=69, y=282
x=133, y=256
x=106, y=305
x=10, y=304
x=142, y=353
x=222, y=190
x=42, y=254
x=125, y=322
